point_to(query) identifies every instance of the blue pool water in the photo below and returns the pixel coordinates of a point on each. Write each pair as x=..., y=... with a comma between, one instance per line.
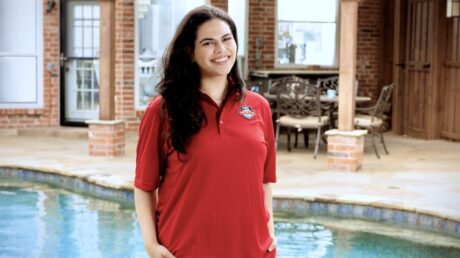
x=37, y=220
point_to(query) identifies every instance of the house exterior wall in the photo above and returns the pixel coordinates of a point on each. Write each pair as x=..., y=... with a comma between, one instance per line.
x=262, y=24
x=49, y=114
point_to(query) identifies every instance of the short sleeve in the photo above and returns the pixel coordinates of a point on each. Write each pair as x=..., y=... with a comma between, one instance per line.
x=149, y=148
x=270, y=161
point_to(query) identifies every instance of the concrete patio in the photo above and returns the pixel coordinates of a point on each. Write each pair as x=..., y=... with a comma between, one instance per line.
x=418, y=175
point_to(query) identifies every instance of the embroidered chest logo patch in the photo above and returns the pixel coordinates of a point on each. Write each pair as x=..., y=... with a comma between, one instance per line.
x=247, y=112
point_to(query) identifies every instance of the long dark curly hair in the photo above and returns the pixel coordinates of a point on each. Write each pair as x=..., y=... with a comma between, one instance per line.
x=180, y=82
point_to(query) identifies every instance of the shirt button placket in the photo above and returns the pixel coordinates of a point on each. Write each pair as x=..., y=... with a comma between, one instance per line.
x=221, y=126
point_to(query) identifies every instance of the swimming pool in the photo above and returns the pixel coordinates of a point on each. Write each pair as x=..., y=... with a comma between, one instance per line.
x=41, y=221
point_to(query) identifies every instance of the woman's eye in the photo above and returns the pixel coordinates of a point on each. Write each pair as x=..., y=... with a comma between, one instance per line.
x=228, y=38
x=207, y=43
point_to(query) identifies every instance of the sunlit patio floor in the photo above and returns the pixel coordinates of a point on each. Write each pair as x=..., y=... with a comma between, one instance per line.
x=417, y=175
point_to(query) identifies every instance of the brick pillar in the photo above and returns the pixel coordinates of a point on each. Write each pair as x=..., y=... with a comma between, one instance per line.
x=345, y=150
x=106, y=138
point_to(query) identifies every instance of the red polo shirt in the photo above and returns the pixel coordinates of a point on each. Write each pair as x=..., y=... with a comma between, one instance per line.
x=211, y=204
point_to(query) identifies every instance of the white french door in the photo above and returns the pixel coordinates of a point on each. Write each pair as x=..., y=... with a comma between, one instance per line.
x=80, y=61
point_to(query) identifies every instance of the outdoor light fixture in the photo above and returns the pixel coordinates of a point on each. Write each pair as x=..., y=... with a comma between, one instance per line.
x=50, y=5
x=453, y=8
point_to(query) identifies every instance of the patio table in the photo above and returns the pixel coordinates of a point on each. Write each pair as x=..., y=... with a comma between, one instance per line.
x=324, y=98
x=329, y=104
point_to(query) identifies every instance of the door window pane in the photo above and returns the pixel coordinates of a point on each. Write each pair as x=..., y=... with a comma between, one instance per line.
x=87, y=100
x=78, y=12
x=96, y=12
x=87, y=80
x=87, y=12
x=79, y=79
x=96, y=100
x=79, y=100
x=307, y=32
x=84, y=28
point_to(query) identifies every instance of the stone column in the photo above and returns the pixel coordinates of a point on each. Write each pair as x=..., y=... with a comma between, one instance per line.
x=106, y=136
x=345, y=146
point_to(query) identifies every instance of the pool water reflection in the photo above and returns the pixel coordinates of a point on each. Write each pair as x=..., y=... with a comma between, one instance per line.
x=37, y=220
x=305, y=239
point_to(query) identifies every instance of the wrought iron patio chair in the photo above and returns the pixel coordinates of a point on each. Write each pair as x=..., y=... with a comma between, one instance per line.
x=332, y=83
x=257, y=85
x=371, y=118
x=298, y=107
x=329, y=83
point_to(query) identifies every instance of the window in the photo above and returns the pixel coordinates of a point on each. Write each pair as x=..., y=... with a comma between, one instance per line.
x=307, y=33
x=156, y=22
x=21, y=72
x=237, y=10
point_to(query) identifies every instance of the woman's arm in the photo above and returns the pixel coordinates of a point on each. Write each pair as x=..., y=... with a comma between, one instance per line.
x=146, y=203
x=268, y=201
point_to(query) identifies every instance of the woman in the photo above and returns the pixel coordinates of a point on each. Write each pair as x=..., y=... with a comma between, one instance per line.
x=206, y=153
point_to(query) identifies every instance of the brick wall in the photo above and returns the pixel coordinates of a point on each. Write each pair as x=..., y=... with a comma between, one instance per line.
x=106, y=138
x=51, y=55
x=369, y=43
x=262, y=23
x=223, y=4
x=49, y=114
x=125, y=63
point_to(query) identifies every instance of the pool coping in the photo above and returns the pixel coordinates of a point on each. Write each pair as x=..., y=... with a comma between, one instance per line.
x=102, y=186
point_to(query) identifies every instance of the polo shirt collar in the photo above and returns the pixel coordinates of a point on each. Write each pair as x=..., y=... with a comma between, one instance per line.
x=232, y=95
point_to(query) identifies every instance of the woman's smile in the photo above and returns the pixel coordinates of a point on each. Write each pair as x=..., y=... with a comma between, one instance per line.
x=220, y=60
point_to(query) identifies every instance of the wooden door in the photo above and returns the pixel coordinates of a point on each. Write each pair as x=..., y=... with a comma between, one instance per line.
x=451, y=78
x=419, y=67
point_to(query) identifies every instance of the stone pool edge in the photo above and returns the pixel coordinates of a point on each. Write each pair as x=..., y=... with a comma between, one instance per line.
x=103, y=186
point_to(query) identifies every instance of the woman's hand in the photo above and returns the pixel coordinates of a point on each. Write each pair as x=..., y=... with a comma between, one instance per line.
x=273, y=244
x=159, y=251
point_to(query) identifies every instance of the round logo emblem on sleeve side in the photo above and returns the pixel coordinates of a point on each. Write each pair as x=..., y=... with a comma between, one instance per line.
x=246, y=111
